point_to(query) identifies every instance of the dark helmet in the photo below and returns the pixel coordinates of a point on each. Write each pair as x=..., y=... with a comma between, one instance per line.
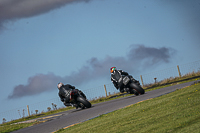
x=112, y=69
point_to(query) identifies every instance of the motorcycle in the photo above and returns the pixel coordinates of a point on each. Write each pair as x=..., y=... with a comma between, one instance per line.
x=78, y=100
x=127, y=82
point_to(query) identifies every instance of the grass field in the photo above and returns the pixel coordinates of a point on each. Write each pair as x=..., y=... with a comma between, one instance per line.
x=12, y=126
x=175, y=112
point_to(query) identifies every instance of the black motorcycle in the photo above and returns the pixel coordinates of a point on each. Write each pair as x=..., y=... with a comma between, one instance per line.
x=78, y=100
x=132, y=86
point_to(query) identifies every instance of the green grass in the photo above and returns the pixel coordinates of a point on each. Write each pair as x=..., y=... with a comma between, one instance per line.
x=6, y=128
x=172, y=81
x=175, y=112
x=10, y=126
x=16, y=125
x=150, y=87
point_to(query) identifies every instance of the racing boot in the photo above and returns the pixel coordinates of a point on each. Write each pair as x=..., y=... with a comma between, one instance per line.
x=67, y=104
x=126, y=90
x=121, y=90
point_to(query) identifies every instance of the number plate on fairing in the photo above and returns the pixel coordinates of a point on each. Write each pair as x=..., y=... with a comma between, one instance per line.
x=126, y=80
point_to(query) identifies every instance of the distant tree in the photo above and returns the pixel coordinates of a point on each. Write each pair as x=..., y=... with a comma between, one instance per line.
x=49, y=109
x=4, y=120
x=155, y=80
x=23, y=113
x=36, y=111
x=54, y=106
x=19, y=113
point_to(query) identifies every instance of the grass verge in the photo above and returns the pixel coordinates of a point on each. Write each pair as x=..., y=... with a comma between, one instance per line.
x=12, y=126
x=175, y=112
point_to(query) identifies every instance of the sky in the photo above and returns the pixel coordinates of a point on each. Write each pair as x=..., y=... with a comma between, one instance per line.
x=43, y=42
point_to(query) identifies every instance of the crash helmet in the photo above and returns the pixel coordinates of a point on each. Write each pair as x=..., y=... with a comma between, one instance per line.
x=112, y=69
x=59, y=85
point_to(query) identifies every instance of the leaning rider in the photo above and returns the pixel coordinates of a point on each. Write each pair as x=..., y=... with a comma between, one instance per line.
x=114, y=78
x=64, y=92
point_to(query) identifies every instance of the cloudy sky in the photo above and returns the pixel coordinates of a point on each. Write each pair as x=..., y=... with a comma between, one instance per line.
x=43, y=42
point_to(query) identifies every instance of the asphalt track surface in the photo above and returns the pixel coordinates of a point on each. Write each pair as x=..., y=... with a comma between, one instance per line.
x=67, y=118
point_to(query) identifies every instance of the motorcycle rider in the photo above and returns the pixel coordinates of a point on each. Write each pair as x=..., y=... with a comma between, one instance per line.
x=114, y=78
x=64, y=93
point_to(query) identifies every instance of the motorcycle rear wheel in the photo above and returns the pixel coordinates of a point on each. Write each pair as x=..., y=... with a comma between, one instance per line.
x=133, y=91
x=82, y=100
x=138, y=88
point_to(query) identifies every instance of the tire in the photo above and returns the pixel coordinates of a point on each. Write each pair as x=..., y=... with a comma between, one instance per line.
x=83, y=101
x=133, y=91
x=137, y=88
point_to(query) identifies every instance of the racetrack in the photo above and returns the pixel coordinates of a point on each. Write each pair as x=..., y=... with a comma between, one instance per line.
x=64, y=119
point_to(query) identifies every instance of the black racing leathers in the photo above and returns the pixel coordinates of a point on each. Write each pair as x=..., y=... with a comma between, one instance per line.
x=115, y=78
x=64, y=92
x=115, y=75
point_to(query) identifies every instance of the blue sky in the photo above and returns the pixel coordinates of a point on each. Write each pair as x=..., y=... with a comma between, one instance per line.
x=77, y=41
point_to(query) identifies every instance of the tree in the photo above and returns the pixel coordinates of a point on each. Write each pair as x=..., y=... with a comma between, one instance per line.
x=36, y=111
x=4, y=120
x=54, y=106
x=49, y=109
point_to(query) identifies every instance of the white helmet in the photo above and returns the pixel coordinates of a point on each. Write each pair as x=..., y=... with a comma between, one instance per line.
x=59, y=85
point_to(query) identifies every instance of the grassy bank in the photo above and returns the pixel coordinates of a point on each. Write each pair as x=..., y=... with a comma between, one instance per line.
x=175, y=112
x=12, y=126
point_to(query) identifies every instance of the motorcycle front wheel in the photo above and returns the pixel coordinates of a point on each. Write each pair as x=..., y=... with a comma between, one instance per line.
x=83, y=101
x=137, y=88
